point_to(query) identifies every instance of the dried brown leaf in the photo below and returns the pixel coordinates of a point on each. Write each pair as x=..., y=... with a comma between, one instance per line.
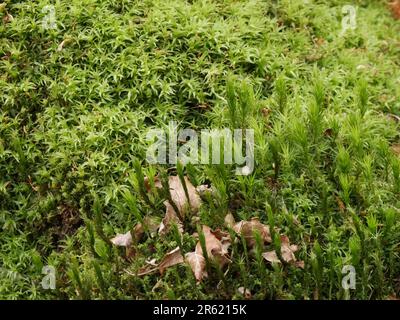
x=211, y=241
x=216, y=249
x=8, y=18
x=172, y=258
x=247, y=229
x=147, y=269
x=198, y=264
x=287, y=252
x=125, y=240
x=224, y=238
x=217, y=243
x=169, y=219
x=178, y=196
x=271, y=256
x=395, y=7
x=218, y=233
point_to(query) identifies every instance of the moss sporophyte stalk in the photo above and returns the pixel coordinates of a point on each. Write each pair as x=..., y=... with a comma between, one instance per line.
x=225, y=145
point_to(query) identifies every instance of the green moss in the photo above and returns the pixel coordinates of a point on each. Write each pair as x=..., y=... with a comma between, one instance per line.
x=74, y=117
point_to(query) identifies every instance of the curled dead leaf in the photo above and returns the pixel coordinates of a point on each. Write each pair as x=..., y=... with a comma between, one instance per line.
x=395, y=8
x=271, y=256
x=178, y=196
x=198, y=264
x=287, y=252
x=216, y=244
x=172, y=258
x=288, y=249
x=224, y=238
x=216, y=249
x=126, y=239
x=179, y=200
x=8, y=18
x=218, y=233
x=248, y=228
x=169, y=219
x=122, y=240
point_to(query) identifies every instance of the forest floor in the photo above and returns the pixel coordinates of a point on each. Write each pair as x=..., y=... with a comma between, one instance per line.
x=84, y=215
